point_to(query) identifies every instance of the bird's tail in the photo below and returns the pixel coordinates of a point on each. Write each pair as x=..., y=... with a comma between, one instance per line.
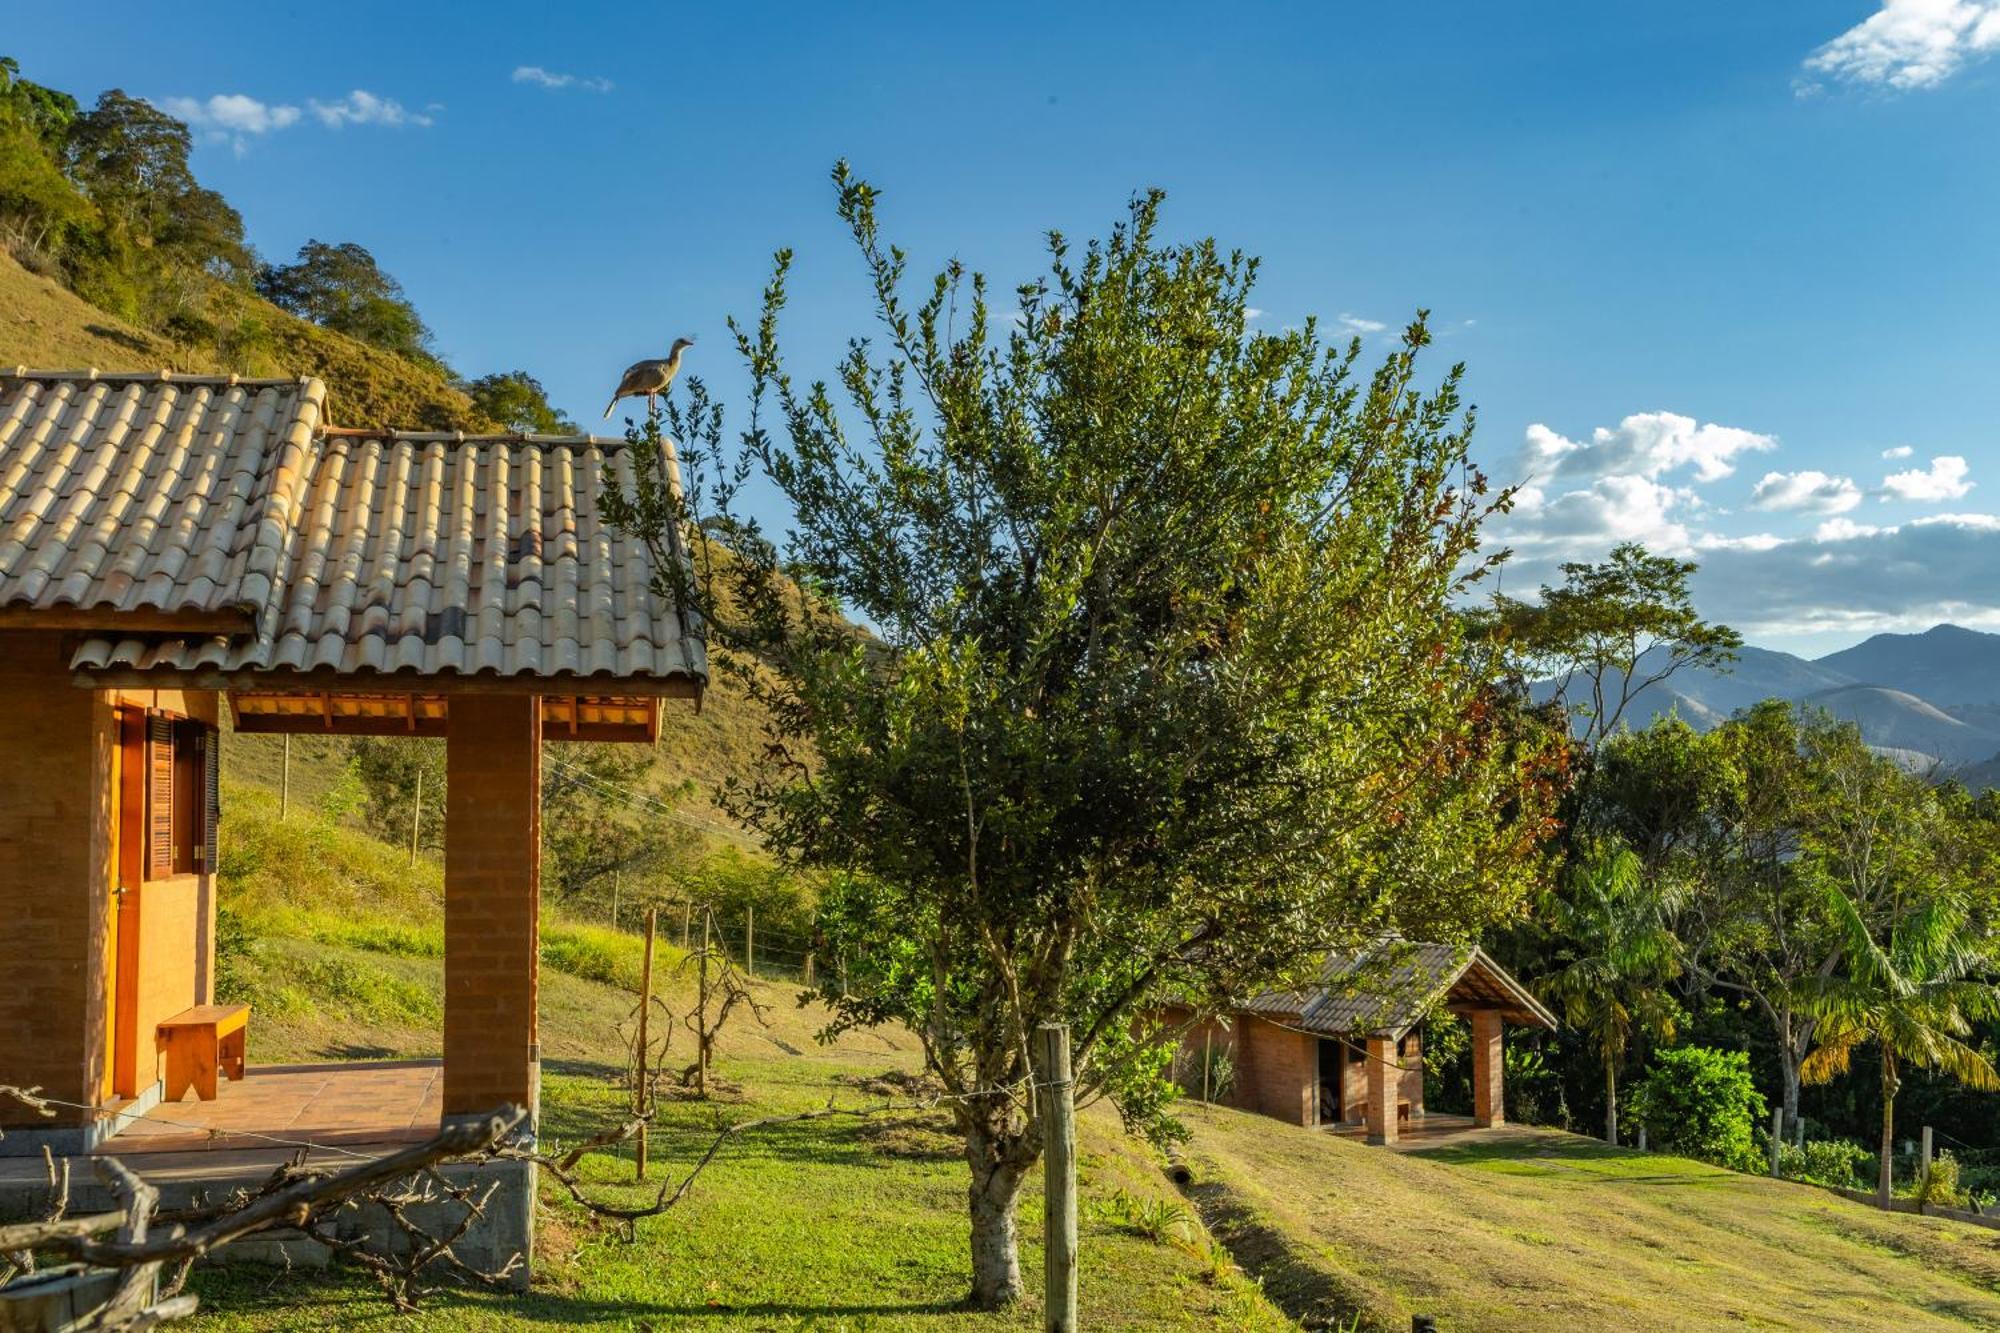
x=609, y=410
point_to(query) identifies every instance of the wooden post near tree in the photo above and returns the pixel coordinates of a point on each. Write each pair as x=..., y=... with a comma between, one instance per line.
x=701, y=1004
x=1777, y=1135
x=416, y=814
x=750, y=940
x=809, y=969
x=614, y=900
x=1058, y=1178
x=687, y=911
x=285, y=780
x=642, y=1089
x=1207, y=1056
x=1924, y=1167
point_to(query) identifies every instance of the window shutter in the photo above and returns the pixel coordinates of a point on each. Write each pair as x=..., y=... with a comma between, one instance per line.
x=211, y=803
x=159, y=796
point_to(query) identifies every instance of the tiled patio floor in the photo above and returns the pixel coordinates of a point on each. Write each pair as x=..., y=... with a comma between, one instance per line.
x=391, y=1101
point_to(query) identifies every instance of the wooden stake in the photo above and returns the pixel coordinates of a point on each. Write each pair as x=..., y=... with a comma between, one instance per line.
x=641, y=1098
x=285, y=780
x=750, y=940
x=809, y=968
x=701, y=1007
x=417, y=815
x=1925, y=1169
x=1777, y=1135
x=614, y=900
x=687, y=910
x=1058, y=1178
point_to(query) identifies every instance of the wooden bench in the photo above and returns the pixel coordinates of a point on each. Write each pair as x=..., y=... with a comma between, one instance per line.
x=198, y=1043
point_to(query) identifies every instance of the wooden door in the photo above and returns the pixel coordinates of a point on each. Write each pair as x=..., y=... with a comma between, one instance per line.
x=128, y=851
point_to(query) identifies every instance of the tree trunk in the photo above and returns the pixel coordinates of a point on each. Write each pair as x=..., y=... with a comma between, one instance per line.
x=1794, y=1127
x=1610, y=1102
x=1885, y=1164
x=999, y=1165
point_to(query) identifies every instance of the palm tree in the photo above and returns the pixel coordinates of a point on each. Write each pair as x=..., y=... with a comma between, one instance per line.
x=1915, y=999
x=1618, y=955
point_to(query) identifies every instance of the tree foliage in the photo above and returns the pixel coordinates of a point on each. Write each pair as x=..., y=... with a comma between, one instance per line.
x=1702, y=1103
x=1611, y=630
x=342, y=288
x=516, y=400
x=1166, y=694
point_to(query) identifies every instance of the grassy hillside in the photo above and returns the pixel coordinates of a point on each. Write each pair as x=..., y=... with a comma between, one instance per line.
x=832, y=1226
x=1538, y=1229
x=49, y=327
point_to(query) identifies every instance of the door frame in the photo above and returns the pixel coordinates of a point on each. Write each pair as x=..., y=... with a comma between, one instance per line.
x=128, y=843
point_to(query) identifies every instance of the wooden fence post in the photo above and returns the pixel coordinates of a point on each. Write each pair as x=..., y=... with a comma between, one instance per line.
x=809, y=969
x=1777, y=1135
x=417, y=816
x=687, y=910
x=1925, y=1169
x=640, y=1101
x=614, y=900
x=750, y=940
x=285, y=780
x=1058, y=1178
x=701, y=1006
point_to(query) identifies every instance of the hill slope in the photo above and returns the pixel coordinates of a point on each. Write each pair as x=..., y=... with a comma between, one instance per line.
x=1531, y=1229
x=50, y=327
x=1946, y=664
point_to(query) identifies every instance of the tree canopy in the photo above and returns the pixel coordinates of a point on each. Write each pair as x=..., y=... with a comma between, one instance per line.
x=342, y=288
x=1166, y=694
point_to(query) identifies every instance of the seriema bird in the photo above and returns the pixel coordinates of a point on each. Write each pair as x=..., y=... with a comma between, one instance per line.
x=651, y=378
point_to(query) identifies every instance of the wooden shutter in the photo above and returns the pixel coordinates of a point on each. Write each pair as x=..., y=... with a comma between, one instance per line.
x=159, y=796
x=211, y=802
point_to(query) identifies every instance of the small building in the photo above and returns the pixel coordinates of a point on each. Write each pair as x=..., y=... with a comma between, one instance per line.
x=173, y=546
x=1347, y=1052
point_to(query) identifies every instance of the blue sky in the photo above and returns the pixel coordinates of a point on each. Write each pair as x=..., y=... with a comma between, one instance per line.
x=1723, y=273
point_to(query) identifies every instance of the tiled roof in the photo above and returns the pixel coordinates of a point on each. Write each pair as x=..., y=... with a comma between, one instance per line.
x=1392, y=985
x=349, y=553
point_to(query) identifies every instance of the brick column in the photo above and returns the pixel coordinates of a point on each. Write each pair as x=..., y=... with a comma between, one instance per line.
x=1488, y=1103
x=492, y=894
x=1384, y=1078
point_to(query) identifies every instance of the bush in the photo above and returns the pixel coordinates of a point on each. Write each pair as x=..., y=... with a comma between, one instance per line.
x=1702, y=1103
x=1939, y=1185
x=1835, y=1162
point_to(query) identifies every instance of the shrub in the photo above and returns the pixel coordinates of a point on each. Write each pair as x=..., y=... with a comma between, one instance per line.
x=1939, y=1185
x=1836, y=1162
x=1702, y=1103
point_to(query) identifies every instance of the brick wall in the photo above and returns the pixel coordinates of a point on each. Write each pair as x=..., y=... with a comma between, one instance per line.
x=1277, y=1070
x=492, y=876
x=54, y=876
x=1488, y=1099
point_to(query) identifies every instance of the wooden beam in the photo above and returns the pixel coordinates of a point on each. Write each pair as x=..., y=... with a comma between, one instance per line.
x=397, y=682
x=144, y=620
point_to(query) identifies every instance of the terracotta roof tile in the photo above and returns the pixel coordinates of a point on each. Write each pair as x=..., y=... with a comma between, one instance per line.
x=358, y=554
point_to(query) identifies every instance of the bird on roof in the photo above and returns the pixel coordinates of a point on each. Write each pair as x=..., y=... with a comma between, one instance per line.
x=651, y=378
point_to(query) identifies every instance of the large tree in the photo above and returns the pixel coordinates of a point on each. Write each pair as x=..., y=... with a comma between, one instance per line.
x=1163, y=693
x=342, y=288
x=1611, y=630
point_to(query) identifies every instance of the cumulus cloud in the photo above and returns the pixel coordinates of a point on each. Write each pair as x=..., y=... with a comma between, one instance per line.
x=1853, y=577
x=1900, y=451
x=546, y=78
x=1359, y=327
x=1907, y=45
x=231, y=113
x=1945, y=479
x=1645, y=444
x=361, y=107
x=1809, y=492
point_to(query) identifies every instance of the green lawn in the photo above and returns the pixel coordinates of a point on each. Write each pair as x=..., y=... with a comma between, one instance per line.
x=1544, y=1230
x=823, y=1225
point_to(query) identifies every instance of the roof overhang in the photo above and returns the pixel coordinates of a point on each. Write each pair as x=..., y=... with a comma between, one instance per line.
x=573, y=717
x=1483, y=984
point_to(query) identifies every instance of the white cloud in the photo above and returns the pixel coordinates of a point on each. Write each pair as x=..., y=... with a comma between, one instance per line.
x=1853, y=577
x=1900, y=451
x=1359, y=327
x=1253, y=312
x=1645, y=444
x=231, y=113
x=543, y=78
x=365, y=108
x=1907, y=44
x=1943, y=480
x=1808, y=492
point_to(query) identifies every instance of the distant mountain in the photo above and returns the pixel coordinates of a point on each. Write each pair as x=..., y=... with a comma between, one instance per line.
x=1946, y=664
x=1924, y=700
x=1897, y=720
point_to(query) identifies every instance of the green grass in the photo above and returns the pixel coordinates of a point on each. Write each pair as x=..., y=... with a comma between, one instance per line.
x=839, y=1225
x=1538, y=1229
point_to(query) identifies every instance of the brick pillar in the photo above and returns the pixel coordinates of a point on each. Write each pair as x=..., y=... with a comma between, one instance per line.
x=55, y=881
x=1384, y=1078
x=492, y=894
x=1488, y=1103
